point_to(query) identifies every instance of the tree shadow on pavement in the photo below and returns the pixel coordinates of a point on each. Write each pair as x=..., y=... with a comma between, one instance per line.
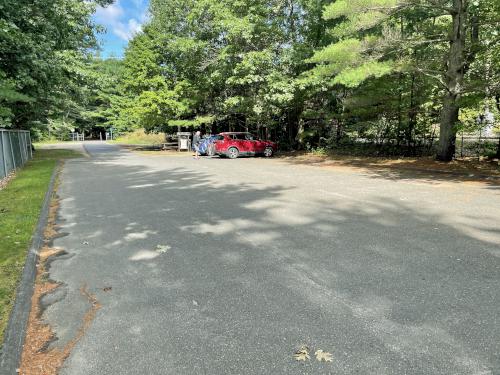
x=250, y=273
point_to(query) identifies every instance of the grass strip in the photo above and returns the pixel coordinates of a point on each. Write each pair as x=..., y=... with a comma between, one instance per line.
x=20, y=204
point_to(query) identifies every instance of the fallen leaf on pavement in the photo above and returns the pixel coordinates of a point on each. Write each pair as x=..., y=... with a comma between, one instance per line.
x=162, y=248
x=302, y=354
x=323, y=356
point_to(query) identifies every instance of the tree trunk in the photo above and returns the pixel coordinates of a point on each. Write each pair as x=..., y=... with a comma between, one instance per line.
x=497, y=103
x=447, y=130
x=294, y=126
x=338, y=131
x=299, y=138
x=400, y=110
x=453, y=80
x=412, y=115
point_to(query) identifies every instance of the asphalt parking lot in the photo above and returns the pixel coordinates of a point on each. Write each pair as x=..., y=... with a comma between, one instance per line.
x=219, y=266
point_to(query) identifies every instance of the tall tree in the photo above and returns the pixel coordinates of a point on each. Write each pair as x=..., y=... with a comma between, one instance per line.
x=313, y=71
x=42, y=45
x=372, y=42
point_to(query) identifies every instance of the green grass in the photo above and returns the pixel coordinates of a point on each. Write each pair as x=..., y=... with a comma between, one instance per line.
x=139, y=137
x=20, y=204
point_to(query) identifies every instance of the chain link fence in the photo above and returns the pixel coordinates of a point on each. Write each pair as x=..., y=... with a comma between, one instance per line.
x=15, y=150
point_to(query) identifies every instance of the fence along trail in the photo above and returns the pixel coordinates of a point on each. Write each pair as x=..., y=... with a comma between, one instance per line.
x=15, y=150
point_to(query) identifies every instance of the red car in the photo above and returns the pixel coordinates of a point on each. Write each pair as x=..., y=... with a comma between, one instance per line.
x=236, y=144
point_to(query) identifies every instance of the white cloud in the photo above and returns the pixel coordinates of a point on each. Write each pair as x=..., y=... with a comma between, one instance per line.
x=134, y=26
x=126, y=31
x=109, y=14
x=145, y=16
x=138, y=3
x=112, y=18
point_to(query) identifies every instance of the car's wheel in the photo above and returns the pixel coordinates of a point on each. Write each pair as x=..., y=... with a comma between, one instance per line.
x=232, y=153
x=268, y=152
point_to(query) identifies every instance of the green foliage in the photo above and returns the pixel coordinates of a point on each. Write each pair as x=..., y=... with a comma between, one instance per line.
x=223, y=59
x=192, y=123
x=42, y=46
x=386, y=56
x=355, y=8
x=9, y=96
x=353, y=77
x=331, y=70
x=319, y=151
x=340, y=54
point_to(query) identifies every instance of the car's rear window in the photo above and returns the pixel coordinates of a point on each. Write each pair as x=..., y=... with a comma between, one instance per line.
x=220, y=137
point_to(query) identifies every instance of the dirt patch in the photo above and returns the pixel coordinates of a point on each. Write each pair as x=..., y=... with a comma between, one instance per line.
x=5, y=181
x=37, y=358
x=51, y=230
x=466, y=169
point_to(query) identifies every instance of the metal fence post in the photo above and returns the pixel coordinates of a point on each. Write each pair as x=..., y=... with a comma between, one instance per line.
x=30, y=145
x=23, y=149
x=12, y=150
x=25, y=137
x=20, y=147
x=26, y=145
x=4, y=158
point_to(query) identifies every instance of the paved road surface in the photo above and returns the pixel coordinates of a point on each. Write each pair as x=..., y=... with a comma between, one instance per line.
x=229, y=266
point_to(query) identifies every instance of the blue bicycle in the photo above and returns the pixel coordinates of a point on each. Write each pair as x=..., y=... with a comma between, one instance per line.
x=207, y=145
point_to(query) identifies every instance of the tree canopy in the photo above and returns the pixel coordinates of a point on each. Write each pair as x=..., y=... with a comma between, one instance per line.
x=43, y=52
x=306, y=72
x=317, y=71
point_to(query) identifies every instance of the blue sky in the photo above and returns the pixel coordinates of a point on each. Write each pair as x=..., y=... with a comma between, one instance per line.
x=122, y=20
